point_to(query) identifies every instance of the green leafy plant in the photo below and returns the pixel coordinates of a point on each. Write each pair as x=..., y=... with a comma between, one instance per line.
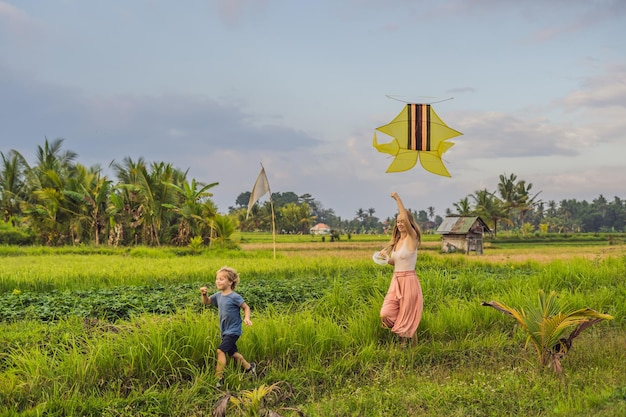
x=259, y=402
x=223, y=227
x=195, y=244
x=547, y=323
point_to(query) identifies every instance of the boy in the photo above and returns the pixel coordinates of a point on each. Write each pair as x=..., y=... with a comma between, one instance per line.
x=229, y=303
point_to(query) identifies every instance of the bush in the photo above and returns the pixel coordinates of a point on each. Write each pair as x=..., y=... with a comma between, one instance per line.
x=10, y=235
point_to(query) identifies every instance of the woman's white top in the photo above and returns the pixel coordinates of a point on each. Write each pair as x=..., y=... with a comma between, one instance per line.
x=404, y=259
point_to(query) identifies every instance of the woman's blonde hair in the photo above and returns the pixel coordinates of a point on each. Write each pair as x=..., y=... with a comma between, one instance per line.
x=395, y=234
x=231, y=274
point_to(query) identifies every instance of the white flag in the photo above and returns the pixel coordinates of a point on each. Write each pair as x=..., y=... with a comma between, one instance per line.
x=261, y=186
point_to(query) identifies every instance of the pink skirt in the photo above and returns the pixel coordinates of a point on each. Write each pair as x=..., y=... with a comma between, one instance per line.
x=403, y=304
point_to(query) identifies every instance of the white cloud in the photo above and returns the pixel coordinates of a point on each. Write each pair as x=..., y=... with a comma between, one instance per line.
x=17, y=24
x=605, y=90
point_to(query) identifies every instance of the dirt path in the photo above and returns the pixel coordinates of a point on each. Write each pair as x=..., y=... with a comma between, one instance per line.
x=541, y=253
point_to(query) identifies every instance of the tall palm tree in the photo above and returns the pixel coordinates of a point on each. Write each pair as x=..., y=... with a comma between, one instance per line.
x=506, y=189
x=431, y=212
x=146, y=191
x=50, y=158
x=127, y=206
x=523, y=200
x=118, y=215
x=91, y=190
x=360, y=214
x=12, y=184
x=489, y=207
x=156, y=193
x=47, y=206
x=190, y=208
x=567, y=213
x=463, y=207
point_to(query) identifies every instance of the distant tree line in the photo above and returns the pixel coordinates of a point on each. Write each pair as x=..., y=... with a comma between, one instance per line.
x=513, y=207
x=58, y=201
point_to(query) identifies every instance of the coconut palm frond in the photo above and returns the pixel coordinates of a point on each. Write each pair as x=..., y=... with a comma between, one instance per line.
x=546, y=325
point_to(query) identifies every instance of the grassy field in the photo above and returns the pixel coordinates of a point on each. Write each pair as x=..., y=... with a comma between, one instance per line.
x=104, y=332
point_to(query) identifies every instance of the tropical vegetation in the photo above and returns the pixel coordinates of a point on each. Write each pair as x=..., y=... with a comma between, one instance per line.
x=105, y=331
x=57, y=201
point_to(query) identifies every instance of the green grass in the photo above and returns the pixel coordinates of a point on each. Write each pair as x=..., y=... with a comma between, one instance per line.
x=315, y=327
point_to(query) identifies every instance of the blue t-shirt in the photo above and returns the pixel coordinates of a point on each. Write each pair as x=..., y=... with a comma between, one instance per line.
x=228, y=309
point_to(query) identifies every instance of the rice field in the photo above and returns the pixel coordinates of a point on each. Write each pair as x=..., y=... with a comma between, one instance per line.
x=86, y=332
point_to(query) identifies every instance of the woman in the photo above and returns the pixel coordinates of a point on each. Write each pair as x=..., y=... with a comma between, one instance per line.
x=402, y=308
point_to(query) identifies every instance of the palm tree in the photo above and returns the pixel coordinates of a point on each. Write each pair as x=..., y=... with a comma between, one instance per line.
x=52, y=163
x=47, y=207
x=506, y=189
x=360, y=214
x=546, y=324
x=146, y=191
x=296, y=218
x=307, y=218
x=489, y=206
x=42, y=216
x=463, y=207
x=93, y=190
x=126, y=207
x=156, y=194
x=567, y=213
x=523, y=201
x=80, y=206
x=190, y=208
x=431, y=212
x=12, y=185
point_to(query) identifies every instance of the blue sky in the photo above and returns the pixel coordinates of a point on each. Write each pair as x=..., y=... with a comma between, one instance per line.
x=218, y=87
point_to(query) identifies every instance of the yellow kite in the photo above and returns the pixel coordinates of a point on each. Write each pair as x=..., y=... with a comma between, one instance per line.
x=418, y=134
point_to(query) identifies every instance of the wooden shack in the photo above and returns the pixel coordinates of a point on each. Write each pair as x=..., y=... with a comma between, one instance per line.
x=462, y=234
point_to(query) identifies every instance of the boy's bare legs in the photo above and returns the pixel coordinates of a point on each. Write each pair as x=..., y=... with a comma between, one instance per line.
x=241, y=360
x=221, y=364
x=248, y=367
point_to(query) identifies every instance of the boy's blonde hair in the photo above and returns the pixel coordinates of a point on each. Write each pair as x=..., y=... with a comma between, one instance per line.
x=231, y=274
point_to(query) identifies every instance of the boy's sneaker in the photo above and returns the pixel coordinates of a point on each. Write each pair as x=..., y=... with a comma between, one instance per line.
x=251, y=369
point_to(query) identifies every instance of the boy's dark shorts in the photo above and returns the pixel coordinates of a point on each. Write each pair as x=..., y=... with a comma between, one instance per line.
x=229, y=344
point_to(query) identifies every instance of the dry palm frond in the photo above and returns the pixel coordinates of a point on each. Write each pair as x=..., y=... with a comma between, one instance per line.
x=221, y=406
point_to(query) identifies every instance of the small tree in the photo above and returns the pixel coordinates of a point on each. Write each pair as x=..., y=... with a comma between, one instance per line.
x=547, y=323
x=223, y=227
